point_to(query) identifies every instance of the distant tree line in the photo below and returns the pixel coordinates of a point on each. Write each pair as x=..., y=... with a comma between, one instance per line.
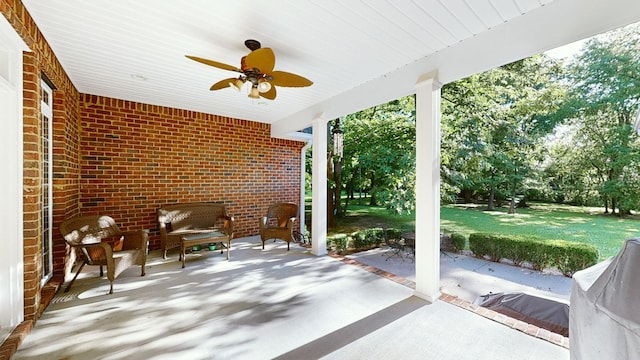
x=533, y=130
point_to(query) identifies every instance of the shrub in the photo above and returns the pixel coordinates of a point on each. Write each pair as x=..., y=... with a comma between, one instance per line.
x=375, y=236
x=368, y=238
x=392, y=234
x=458, y=242
x=482, y=244
x=516, y=249
x=340, y=242
x=574, y=257
x=363, y=239
x=359, y=239
x=566, y=256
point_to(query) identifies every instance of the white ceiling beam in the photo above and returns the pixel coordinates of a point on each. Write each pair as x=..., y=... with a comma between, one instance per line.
x=553, y=25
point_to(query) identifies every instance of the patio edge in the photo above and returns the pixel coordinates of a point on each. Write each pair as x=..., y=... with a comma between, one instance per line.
x=519, y=325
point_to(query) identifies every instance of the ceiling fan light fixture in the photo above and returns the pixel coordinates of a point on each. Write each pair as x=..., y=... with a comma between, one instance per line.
x=237, y=84
x=257, y=75
x=254, y=94
x=264, y=86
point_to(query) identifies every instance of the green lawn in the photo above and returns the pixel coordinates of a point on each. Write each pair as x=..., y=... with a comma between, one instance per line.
x=585, y=225
x=549, y=221
x=363, y=216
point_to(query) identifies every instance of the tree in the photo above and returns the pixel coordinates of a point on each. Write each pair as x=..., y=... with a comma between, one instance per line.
x=572, y=178
x=605, y=84
x=379, y=154
x=492, y=127
x=466, y=108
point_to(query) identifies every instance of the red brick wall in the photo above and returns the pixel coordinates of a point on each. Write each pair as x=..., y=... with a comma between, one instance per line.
x=66, y=171
x=138, y=157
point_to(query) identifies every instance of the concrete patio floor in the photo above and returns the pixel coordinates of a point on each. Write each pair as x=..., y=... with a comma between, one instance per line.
x=264, y=304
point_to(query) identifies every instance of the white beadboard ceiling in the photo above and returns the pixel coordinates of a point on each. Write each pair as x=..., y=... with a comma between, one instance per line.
x=357, y=53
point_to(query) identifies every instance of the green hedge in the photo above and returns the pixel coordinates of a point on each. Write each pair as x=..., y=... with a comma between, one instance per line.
x=392, y=234
x=368, y=238
x=458, y=242
x=576, y=257
x=363, y=239
x=340, y=242
x=566, y=256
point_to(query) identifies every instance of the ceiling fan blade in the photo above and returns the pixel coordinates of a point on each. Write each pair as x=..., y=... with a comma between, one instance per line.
x=262, y=59
x=287, y=79
x=271, y=94
x=222, y=84
x=219, y=65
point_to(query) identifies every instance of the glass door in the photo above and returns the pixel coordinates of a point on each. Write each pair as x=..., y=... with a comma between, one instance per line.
x=47, y=181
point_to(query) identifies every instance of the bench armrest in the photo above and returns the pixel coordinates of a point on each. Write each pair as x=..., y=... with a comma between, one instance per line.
x=227, y=227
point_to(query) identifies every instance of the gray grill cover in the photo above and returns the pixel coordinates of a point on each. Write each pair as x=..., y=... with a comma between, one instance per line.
x=604, y=321
x=541, y=312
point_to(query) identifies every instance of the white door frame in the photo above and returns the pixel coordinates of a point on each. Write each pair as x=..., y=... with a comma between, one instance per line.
x=46, y=111
x=11, y=211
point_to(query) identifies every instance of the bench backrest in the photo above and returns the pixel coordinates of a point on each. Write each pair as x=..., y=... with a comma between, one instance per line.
x=190, y=216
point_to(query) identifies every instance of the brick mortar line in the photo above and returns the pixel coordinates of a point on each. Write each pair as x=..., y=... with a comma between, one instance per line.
x=532, y=330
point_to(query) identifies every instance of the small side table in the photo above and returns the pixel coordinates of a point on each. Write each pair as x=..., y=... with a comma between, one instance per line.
x=202, y=238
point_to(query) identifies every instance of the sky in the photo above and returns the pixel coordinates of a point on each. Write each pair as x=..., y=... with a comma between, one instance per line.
x=566, y=51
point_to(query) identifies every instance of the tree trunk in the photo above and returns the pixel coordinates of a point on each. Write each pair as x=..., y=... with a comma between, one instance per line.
x=492, y=196
x=522, y=204
x=512, y=206
x=350, y=190
x=346, y=206
x=372, y=199
x=467, y=196
x=337, y=173
x=330, y=217
x=492, y=192
x=613, y=205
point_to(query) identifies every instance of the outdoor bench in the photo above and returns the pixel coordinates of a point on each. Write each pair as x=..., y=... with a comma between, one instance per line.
x=190, y=224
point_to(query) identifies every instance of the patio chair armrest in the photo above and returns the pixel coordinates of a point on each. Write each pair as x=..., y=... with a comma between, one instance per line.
x=99, y=253
x=135, y=240
x=290, y=223
x=263, y=223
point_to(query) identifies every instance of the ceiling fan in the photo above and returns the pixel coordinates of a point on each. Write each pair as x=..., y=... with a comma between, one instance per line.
x=257, y=69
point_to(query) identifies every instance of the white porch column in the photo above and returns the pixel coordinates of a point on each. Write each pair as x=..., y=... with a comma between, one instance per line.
x=319, y=187
x=303, y=171
x=427, y=249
